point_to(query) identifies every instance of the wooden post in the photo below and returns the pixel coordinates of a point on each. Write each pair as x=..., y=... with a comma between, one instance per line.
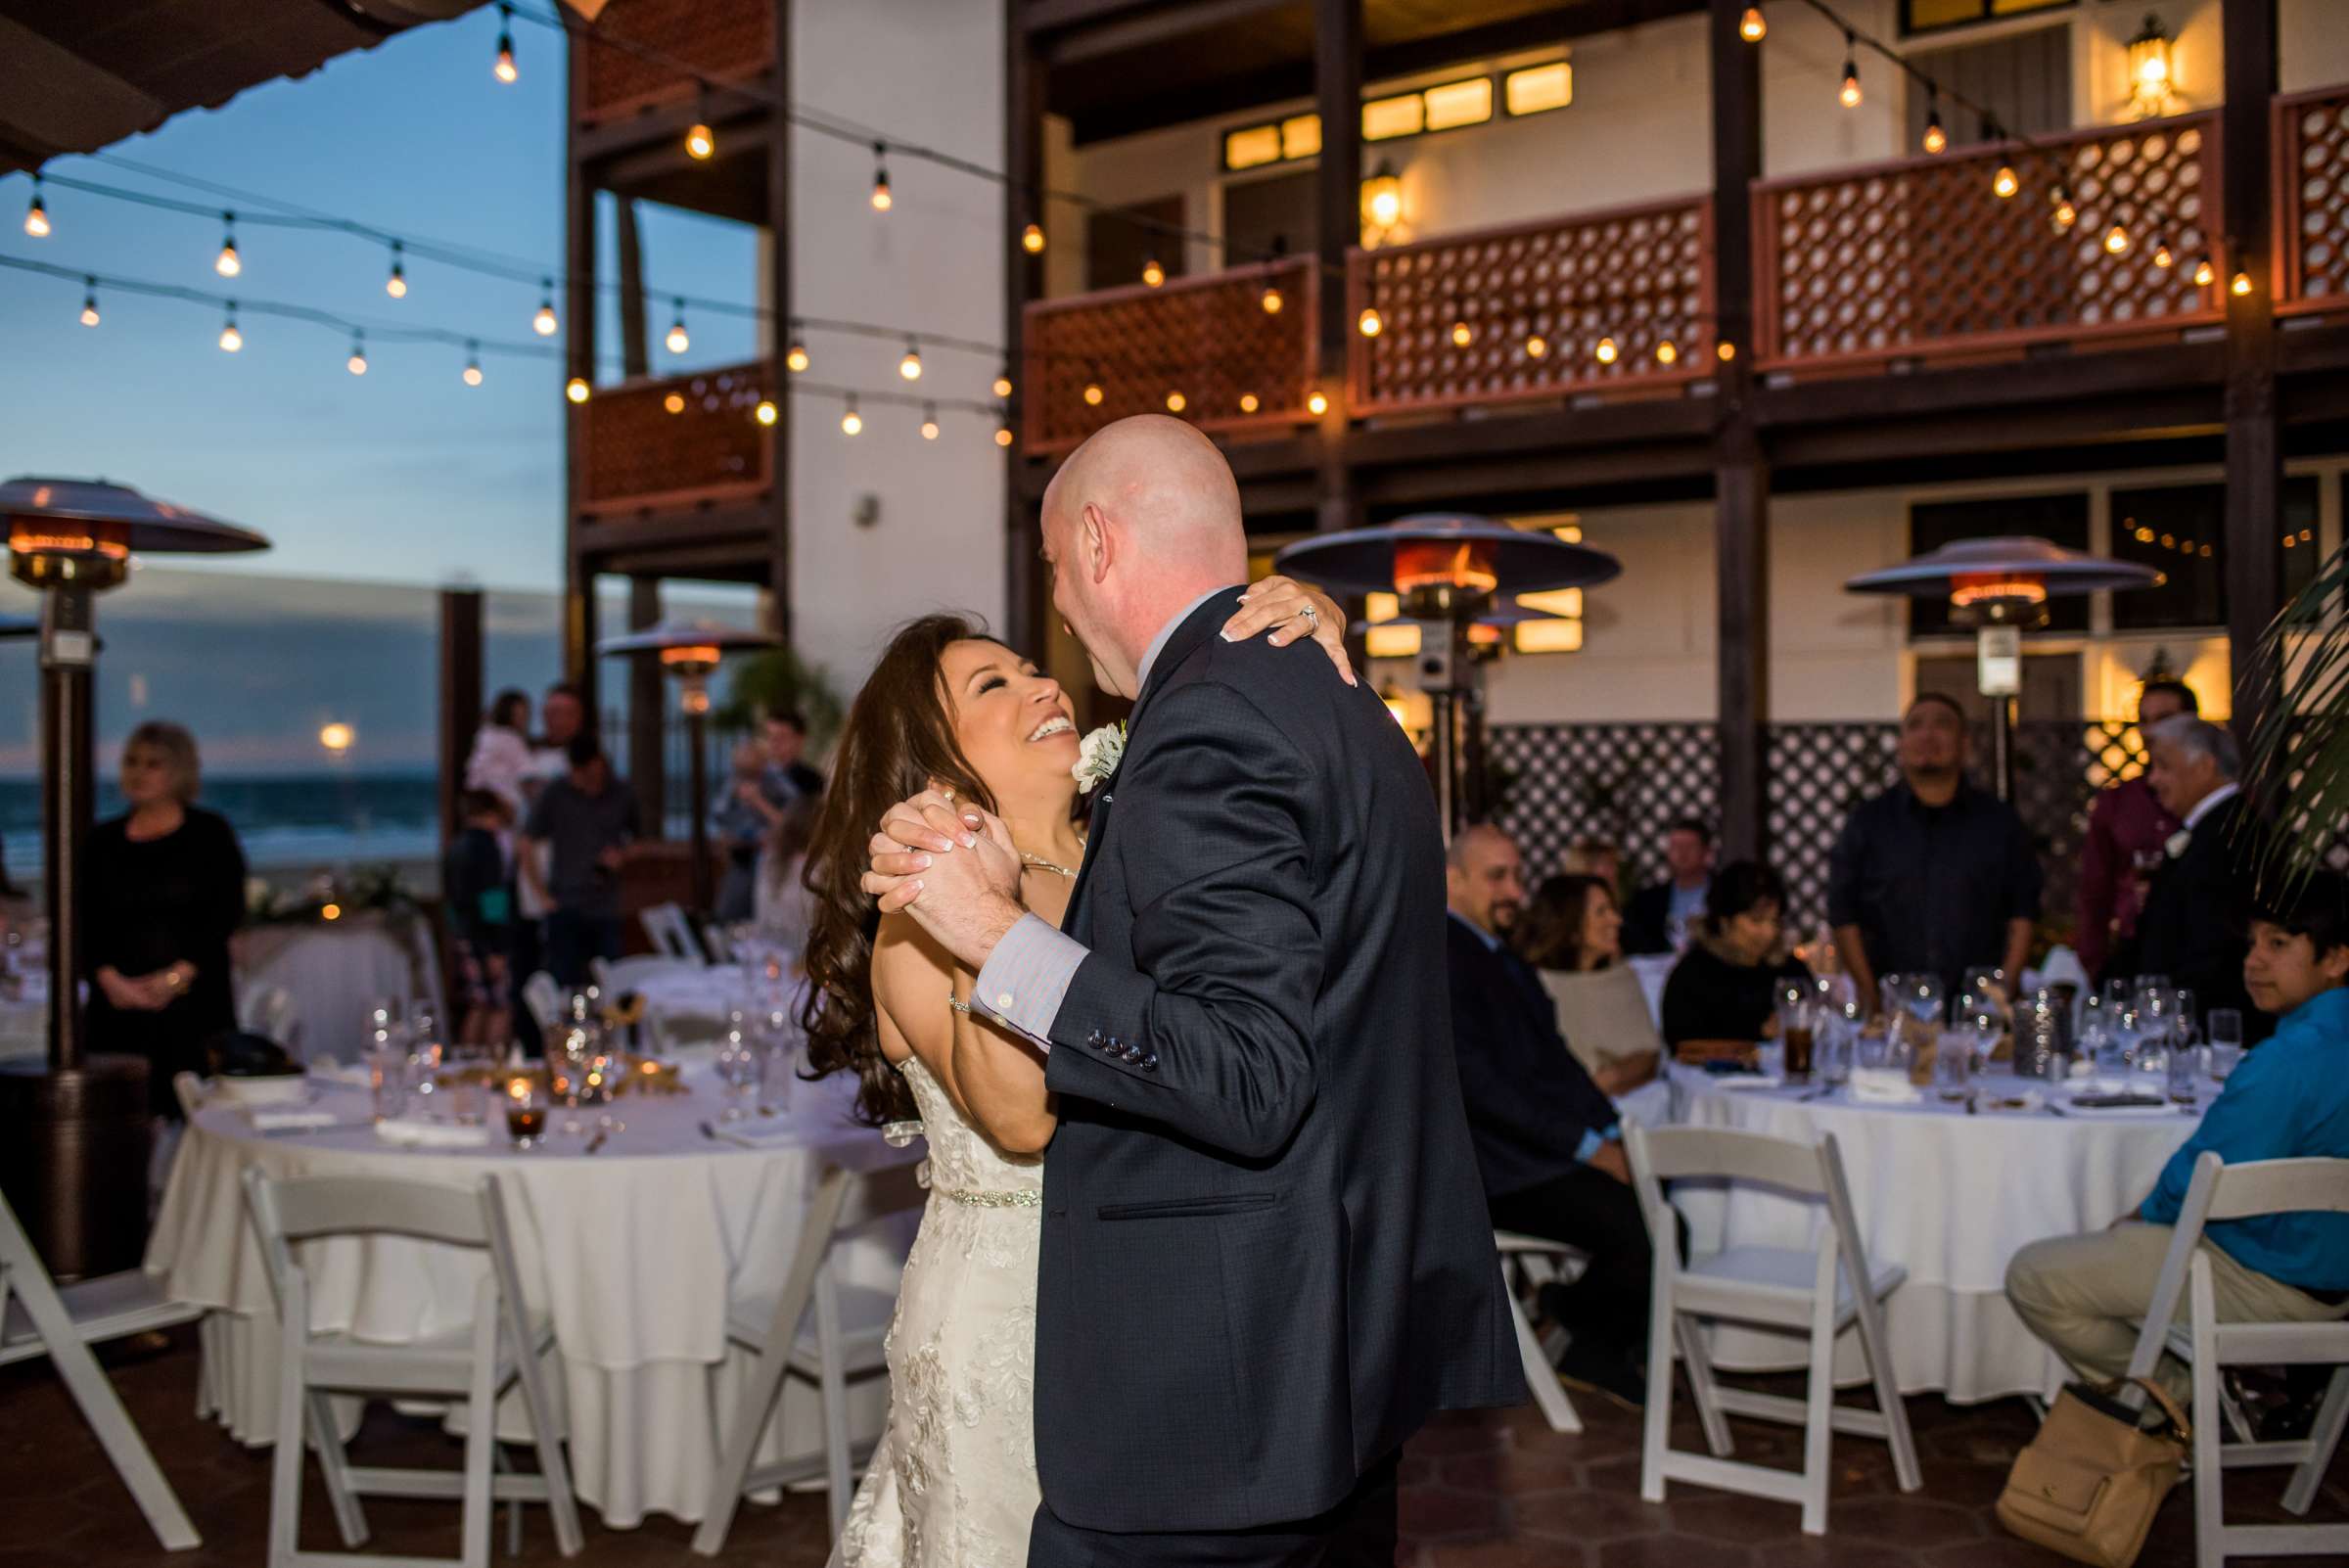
x=461, y=697
x=1337, y=198
x=1024, y=106
x=579, y=338
x=778, y=322
x=2255, y=440
x=648, y=714
x=636, y=352
x=1740, y=469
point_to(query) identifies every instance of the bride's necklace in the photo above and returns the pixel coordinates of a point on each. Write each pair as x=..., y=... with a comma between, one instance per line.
x=1042, y=864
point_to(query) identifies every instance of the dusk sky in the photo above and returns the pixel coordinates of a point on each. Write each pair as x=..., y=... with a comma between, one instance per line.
x=404, y=475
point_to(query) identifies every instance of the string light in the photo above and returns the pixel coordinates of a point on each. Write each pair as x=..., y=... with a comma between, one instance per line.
x=1270, y=301
x=911, y=367
x=794, y=359
x=678, y=339
x=1248, y=403
x=1849, y=97
x=1176, y=402
x=2242, y=284
x=851, y=421
x=544, y=322
x=1152, y=273
x=766, y=413
x=397, y=284
x=1462, y=335
x=1607, y=351
x=89, y=305
x=357, y=362
x=929, y=422
x=1724, y=350
x=2203, y=273
x=1031, y=239
x=1318, y=404
x=1666, y=353
x=2004, y=183
x=1536, y=346
x=882, y=199
x=504, y=70
x=700, y=142
x=1937, y=140
x=1092, y=393
x=2116, y=241
x=2161, y=254
x=37, y=216
x=1750, y=27
x=577, y=390
x=2066, y=215
x=473, y=364
x=1002, y=382
x=229, y=263
x=1371, y=322
x=231, y=340
x=1002, y=435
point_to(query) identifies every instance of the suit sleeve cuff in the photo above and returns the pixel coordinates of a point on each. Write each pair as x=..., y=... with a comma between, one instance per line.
x=1027, y=977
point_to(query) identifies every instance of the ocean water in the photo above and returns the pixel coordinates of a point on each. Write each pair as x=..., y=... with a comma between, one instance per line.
x=286, y=824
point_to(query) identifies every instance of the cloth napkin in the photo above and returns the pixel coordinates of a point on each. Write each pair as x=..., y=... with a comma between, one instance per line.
x=275, y=1118
x=1748, y=1081
x=330, y=1071
x=412, y=1134
x=760, y=1132
x=1883, y=1085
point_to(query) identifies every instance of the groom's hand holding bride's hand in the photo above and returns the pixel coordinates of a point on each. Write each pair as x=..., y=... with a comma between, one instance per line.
x=952, y=867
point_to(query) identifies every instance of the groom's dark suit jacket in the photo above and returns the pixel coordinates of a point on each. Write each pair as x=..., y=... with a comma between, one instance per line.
x=1266, y=1250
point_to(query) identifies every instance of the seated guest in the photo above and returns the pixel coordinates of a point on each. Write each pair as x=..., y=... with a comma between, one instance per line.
x=1722, y=995
x=1594, y=857
x=2128, y=822
x=1663, y=915
x=2195, y=927
x=1571, y=934
x=2288, y=1099
x=1933, y=875
x=1547, y=1142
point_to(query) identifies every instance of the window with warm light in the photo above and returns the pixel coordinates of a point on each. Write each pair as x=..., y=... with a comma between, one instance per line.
x=1300, y=136
x=1251, y=147
x=1930, y=15
x=1459, y=103
x=1538, y=89
x=1548, y=636
x=1385, y=119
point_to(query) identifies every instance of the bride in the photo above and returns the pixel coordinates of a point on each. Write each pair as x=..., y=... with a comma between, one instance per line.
x=952, y=1483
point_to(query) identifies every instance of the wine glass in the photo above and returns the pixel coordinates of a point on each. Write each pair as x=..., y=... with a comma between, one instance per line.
x=2185, y=1016
x=2225, y=1042
x=1928, y=1000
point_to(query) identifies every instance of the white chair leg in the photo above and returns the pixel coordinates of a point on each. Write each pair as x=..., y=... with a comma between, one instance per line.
x=1904, y=1467
x=751, y=1414
x=2210, y=1523
x=1655, y=1427
x=327, y=1438
x=1548, y=1393
x=284, y=1465
x=1704, y=1385
x=2323, y=1439
x=833, y=1381
x=480, y=1506
x=500, y=1464
x=560, y=1502
x=1818, y=1415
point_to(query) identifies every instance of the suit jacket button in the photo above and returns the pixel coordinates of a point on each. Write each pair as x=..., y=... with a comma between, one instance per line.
x=1093, y=1039
x=1133, y=1053
x=1150, y=1062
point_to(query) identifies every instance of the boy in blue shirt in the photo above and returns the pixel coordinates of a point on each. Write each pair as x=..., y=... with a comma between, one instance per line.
x=2289, y=1098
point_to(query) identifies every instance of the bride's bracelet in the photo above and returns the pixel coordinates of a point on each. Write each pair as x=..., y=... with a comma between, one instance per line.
x=957, y=1003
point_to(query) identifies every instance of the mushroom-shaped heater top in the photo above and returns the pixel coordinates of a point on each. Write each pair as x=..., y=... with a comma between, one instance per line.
x=2003, y=581
x=84, y=531
x=1446, y=564
x=689, y=650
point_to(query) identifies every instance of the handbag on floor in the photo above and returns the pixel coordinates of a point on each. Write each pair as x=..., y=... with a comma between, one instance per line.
x=2089, y=1485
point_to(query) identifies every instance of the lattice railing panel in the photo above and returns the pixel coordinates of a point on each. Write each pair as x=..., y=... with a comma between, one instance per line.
x=679, y=438
x=1920, y=256
x=2312, y=199
x=717, y=39
x=1209, y=342
x=1624, y=783
x=1816, y=774
x=1569, y=305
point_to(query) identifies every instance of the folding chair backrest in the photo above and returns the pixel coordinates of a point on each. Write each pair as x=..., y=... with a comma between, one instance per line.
x=2278, y=1186
x=188, y=1090
x=1676, y=1152
x=303, y=1207
x=544, y=998
x=615, y=975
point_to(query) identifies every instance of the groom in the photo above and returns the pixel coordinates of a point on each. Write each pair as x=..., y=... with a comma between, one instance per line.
x=1265, y=1255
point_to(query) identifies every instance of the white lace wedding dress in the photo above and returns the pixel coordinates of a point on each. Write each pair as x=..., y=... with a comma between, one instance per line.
x=952, y=1483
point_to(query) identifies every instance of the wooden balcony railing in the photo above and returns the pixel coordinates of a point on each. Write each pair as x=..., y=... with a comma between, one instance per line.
x=719, y=39
x=1922, y=258
x=2312, y=201
x=674, y=442
x=1621, y=299
x=1203, y=349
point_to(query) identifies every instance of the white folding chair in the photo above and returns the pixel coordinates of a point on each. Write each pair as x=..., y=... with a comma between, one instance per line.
x=615, y=975
x=269, y=1011
x=1537, y=1261
x=1793, y=1291
x=39, y=1318
x=501, y=1346
x=188, y=1090
x=544, y=998
x=672, y=933
x=2222, y=1191
x=844, y=1340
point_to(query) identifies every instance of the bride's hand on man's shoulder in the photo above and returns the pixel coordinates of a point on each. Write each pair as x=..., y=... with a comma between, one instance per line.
x=1293, y=610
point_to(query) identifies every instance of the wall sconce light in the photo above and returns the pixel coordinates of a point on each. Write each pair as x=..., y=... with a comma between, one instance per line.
x=1382, y=204
x=2150, y=78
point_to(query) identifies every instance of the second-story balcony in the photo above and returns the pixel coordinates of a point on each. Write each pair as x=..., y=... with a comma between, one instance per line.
x=675, y=444
x=2312, y=201
x=653, y=50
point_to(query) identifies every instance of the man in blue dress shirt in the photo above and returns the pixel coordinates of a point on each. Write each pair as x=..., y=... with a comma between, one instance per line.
x=2287, y=1100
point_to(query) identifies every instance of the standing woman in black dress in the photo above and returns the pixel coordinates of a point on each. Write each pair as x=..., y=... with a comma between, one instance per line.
x=165, y=886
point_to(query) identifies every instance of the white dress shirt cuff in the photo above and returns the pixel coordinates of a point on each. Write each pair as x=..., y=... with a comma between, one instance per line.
x=1027, y=977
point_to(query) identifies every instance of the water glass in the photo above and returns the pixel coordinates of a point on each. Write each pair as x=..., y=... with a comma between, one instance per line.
x=1954, y=1065
x=2184, y=1019
x=2185, y=1076
x=1927, y=999
x=386, y=1026
x=387, y=1082
x=1798, y=1031
x=2225, y=1042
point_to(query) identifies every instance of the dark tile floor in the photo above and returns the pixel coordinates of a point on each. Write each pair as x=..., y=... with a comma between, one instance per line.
x=1482, y=1491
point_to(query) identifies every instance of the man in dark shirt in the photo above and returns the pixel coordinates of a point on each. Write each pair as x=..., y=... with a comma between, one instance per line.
x=1549, y=1144
x=586, y=822
x=1934, y=875
x=1663, y=915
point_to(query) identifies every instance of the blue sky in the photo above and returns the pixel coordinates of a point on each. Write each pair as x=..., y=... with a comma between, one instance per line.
x=403, y=475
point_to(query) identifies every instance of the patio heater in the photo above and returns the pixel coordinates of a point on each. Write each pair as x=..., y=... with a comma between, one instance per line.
x=2001, y=588
x=73, y=1130
x=690, y=650
x=1447, y=568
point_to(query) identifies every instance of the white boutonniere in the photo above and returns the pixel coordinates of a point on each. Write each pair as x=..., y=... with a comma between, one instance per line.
x=2178, y=842
x=1098, y=754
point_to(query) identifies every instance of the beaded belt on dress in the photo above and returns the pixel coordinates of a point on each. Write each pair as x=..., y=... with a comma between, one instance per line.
x=992, y=1199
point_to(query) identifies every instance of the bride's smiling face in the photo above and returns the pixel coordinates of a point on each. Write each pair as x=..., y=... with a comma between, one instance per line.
x=1013, y=723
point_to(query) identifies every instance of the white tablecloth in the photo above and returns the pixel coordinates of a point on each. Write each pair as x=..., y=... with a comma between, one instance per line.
x=335, y=970
x=634, y=1253
x=1950, y=1196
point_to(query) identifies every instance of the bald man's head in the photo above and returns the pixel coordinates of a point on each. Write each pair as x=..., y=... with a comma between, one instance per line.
x=1484, y=877
x=1142, y=519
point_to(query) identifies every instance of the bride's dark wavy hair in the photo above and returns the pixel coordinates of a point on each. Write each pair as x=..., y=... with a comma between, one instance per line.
x=898, y=739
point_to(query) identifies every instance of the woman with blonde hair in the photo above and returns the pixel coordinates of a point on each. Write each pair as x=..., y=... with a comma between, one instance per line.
x=164, y=886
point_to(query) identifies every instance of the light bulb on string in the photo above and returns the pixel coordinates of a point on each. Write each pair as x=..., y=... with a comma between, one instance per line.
x=545, y=323
x=357, y=362
x=1462, y=335
x=678, y=339
x=397, y=284
x=2203, y=273
x=1002, y=435
x=1750, y=27
x=1031, y=239
x=1667, y=353
x=2066, y=215
x=1371, y=323
x=882, y=199
x=1724, y=350
x=1152, y=273
x=231, y=340
x=2116, y=241
x=911, y=367
x=851, y=421
x=1608, y=352
x=1270, y=301
x=229, y=263
x=1318, y=404
x=929, y=422
x=2162, y=256
x=1176, y=403
x=1536, y=346
x=472, y=363
x=1849, y=96
x=2242, y=284
x=1937, y=140
x=700, y=142
x=675, y=402
x=795, y=358
x=1248, y=403
x=89, y=303
x=1093, y=391
x=37, y=216
x=1002, y=381
x=577, y=390
x=503, y=70
x=766, y=413
x=2004, y=183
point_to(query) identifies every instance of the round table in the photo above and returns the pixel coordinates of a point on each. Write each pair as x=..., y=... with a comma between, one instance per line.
x=634, y=1251
x=1950, y=1195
